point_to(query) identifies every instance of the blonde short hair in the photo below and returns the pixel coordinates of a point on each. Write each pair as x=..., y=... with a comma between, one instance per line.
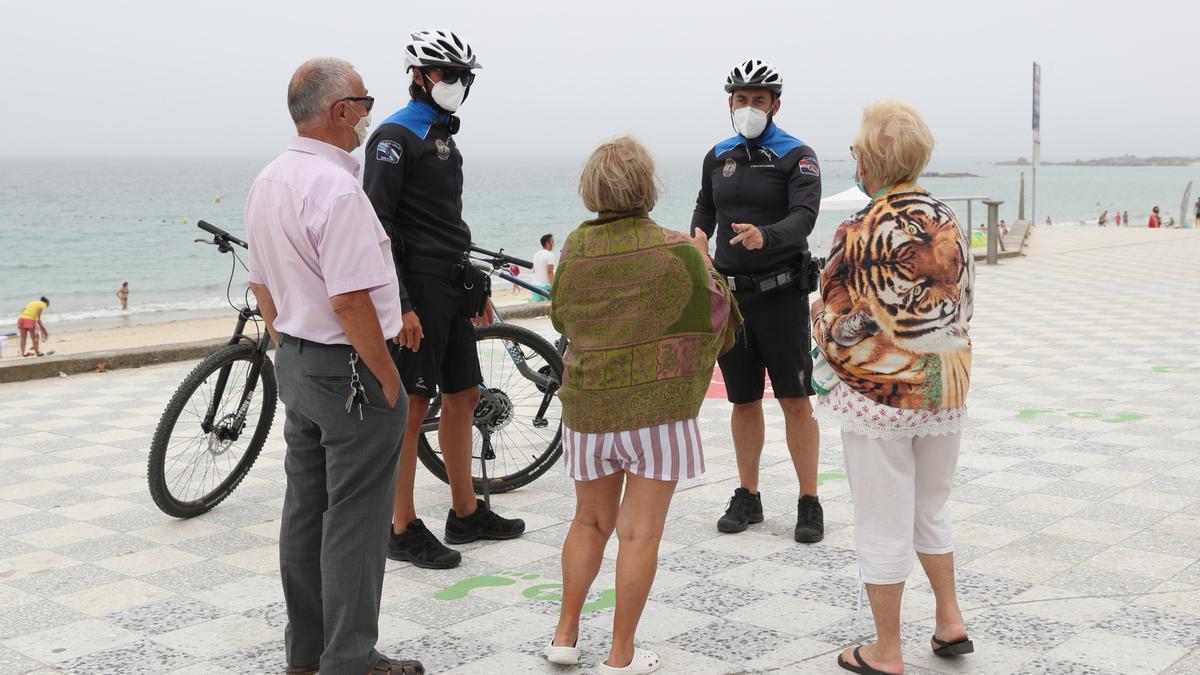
x=619, y=177
x=893, y=144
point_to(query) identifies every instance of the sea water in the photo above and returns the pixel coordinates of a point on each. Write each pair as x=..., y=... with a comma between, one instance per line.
x=74, y=229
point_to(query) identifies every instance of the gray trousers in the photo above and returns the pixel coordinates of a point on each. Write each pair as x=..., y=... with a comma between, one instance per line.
x=337, y=512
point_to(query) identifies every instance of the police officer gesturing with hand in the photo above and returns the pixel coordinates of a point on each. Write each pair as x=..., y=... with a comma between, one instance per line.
x=760, y=192
x=413, y=176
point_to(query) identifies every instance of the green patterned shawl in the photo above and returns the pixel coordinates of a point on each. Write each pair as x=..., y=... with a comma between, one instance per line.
x=646, y=317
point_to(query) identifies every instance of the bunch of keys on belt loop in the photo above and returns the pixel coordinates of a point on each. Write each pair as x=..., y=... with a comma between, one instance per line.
x=356, y=387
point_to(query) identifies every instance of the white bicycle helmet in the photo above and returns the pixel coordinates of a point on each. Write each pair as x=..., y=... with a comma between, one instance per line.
x=754, y=74
x=438, y=49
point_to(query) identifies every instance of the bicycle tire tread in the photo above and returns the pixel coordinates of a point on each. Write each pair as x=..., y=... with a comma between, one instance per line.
x=159, y=491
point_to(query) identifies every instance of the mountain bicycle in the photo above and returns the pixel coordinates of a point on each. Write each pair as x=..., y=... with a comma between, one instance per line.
x=215, y=424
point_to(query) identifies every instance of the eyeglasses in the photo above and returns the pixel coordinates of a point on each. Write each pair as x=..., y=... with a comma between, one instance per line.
x=367, y=101
x=452, y=75
x=853, y=154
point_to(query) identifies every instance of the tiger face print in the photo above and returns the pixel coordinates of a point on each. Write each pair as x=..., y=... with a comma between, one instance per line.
x=898, y=299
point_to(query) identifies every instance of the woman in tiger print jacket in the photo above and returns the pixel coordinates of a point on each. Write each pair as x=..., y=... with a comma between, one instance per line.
x=896, y=299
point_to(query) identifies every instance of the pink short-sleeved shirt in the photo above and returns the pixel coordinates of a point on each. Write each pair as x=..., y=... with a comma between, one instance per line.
x=313, y=234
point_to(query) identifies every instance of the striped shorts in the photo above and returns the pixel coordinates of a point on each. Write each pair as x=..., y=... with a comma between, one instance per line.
x=668, y=451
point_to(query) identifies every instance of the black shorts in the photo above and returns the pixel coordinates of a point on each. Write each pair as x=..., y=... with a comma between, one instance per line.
x=447, y=359
x=777, y=342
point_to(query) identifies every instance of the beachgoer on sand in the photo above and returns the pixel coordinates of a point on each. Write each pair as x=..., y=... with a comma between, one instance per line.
x=760, y=192
x=1103, y=219
x=29, y=324
x=1154, y=221
x=515, y=270
x=543, y=266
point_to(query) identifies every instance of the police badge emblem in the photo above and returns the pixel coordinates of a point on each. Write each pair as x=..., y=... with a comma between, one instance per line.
x=730, y=167
x=389, y=151
x=443, y=150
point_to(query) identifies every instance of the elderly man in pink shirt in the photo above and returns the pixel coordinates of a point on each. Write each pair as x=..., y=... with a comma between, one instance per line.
x=321, y=268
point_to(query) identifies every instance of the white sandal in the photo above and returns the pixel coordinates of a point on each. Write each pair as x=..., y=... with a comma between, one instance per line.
x=644, y=661
x=564, y=656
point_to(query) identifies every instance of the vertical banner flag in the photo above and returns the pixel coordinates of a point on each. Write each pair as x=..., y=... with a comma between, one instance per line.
x=1037, y=136
x=1037, y=113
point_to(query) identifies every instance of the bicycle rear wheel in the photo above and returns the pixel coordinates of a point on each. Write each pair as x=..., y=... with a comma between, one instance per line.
x=522, y=373
x=193, y=466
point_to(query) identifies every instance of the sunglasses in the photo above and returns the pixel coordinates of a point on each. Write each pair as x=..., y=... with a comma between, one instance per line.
x=450, y=76
x=853, y=154
x=367, y=101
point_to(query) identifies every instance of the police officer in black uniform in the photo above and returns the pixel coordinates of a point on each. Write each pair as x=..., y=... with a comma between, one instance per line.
x=413, y=176
x=759, y=196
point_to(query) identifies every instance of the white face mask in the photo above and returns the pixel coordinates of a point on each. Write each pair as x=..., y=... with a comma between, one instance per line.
x=749, y=121
x=361, y=127
x=448, y=96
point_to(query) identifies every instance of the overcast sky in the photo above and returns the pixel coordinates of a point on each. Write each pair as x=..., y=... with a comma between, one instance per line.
x=171, y=78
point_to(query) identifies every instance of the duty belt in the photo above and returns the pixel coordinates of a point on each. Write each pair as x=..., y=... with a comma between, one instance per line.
x=419, y=264
x=763, y=282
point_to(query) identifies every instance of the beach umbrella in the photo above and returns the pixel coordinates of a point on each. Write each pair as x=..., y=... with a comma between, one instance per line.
x=847, y=200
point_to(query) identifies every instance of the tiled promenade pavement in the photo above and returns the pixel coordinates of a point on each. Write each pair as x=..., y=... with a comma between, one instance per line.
x=1077, y=515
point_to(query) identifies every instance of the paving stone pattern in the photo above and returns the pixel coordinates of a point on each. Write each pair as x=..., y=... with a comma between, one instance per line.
x=1077, y=515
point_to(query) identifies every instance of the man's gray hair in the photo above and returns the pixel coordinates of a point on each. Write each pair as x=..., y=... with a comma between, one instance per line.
x=316, y=85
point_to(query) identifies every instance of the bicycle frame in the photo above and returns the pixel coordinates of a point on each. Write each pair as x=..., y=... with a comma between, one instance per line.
x=262, y=343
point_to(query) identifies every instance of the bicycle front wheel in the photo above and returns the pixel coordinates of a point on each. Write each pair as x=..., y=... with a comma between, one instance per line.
x=211, y=431
x=520, y=409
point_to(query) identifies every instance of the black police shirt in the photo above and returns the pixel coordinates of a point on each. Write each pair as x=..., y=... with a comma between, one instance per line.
x=772, y=182
x=413, y=176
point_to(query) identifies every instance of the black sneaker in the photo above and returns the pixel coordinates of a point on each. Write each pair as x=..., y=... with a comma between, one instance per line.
x=743, y=509
x=810, y=520
x=483, y=524
x=420, y=547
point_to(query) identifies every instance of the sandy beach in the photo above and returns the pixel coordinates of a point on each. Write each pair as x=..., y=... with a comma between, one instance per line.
x=142, y=335
x=81, y=339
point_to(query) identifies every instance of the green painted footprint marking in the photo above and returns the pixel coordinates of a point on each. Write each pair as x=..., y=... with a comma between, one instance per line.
x=832, y=475
x=463, y=588
x=608, y=598
x=1118, y=417
x=549, y=593
x=1123, y=417
x=1030, y=413
x=1175, y=369
x=543, y=592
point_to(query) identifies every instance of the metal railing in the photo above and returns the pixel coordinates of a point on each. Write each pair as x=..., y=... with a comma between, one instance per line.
x=994, y=240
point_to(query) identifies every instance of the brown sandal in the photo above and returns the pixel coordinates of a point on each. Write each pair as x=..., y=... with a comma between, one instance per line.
x=410, y=667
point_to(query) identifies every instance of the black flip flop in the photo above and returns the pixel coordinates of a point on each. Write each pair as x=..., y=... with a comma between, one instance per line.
x=862, y=667
x=957, y=648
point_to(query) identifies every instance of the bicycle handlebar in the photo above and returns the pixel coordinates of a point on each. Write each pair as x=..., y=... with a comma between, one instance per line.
x=503, y=257
x=221, y=235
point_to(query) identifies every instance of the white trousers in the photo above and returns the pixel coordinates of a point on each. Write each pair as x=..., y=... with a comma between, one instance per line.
x=900, y=487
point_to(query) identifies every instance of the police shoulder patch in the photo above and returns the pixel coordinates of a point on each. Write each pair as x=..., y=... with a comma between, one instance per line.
x=389, y=151
x=808, y=165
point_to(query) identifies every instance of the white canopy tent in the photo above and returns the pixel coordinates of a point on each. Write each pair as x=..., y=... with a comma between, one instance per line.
x=848, y=200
